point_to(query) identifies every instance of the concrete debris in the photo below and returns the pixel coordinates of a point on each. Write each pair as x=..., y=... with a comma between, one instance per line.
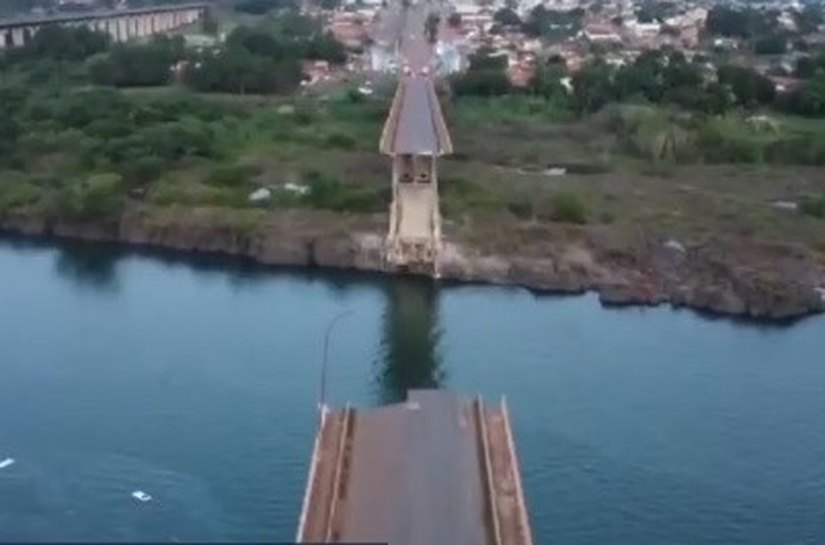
x=6, y=463
x=299, y=189
x=260, y=195
x=786, y=205
x=675, y=245
x=556, y=171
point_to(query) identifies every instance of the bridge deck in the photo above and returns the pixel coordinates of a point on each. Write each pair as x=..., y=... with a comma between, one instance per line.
x=437, y=469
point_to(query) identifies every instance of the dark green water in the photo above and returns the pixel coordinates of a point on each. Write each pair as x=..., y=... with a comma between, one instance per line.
x=196, y=381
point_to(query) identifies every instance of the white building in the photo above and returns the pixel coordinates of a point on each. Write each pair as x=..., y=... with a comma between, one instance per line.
x=449, y=59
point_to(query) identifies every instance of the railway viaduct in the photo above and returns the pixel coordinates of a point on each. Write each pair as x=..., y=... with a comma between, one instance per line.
x=121, y=25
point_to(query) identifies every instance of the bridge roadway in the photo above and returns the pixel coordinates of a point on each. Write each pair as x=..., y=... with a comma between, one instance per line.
x=436, y=469
x=415, y=124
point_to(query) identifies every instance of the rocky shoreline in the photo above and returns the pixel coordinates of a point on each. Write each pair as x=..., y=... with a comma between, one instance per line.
x=728, y=276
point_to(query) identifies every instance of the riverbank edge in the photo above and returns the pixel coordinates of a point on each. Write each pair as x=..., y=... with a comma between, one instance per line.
x=764, y=282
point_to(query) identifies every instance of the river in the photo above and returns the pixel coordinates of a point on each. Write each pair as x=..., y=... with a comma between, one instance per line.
x=195, y=381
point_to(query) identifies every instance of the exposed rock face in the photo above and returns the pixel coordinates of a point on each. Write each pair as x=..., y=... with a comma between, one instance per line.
x=724, y=275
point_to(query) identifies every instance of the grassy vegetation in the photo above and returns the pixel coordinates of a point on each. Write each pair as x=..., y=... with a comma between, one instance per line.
x=814, y=207
x=523, y=163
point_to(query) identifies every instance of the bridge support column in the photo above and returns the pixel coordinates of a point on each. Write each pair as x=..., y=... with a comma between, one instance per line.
x=18, y=37
x=111, y=28
x=122, y=29
x=143, y=29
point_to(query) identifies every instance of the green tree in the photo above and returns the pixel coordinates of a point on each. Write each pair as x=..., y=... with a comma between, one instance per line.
x=431, y=27
x=9, y=131
x=60, y=43
x=748, y=86
x=238, y=71
x=546, y=82
x=482, y=83
x=809, y=99
x=770, y=45
x=209, y=23
x=142, y=170
x=257, y=41
x=486, y=75
x=568, y=208
x=326, y=47
x=738, y=23
x=134, y=65
x=593, y=87
x=543, y=22
x=507, y=17
x=808, y=66
x=260, y=7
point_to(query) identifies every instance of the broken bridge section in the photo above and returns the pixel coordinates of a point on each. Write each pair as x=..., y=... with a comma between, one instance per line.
x=414, y=136
x=436, y=469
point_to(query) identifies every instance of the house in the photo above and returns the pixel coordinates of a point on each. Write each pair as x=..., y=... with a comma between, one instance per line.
x=601, y=34
x=784, y=85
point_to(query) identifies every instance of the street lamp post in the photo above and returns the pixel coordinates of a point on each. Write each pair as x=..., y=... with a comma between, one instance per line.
x=323, y=390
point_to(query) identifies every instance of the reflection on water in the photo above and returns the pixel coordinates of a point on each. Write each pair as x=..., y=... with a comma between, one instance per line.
x=95, y=265
x=88, y=266
x=409, y=355
x=410, y=352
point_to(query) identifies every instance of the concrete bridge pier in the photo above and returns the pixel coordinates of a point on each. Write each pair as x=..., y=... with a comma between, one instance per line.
x=19, y=37
x=415, y=135
x=122, y=29
x=141, y=26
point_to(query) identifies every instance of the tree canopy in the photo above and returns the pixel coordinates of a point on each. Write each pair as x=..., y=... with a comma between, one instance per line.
x=486, y=75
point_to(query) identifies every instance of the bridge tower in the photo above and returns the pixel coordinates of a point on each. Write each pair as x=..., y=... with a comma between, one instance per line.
x=415, y=136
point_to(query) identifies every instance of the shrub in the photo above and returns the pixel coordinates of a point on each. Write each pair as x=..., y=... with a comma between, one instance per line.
x=459, y=195
x=17, y=194
x=521, y=207
x=260, y=7
x=339, y=140
x=232, y=175
x=142, y=170
x=568, y=208
x=328, y=193
x=97, y=197
x=814, y=207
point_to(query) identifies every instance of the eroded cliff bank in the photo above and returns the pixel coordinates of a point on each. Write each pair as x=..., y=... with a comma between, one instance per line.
x=724, y=274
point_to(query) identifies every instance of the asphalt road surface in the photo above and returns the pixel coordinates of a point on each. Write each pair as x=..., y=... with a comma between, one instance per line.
x=415, y=478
